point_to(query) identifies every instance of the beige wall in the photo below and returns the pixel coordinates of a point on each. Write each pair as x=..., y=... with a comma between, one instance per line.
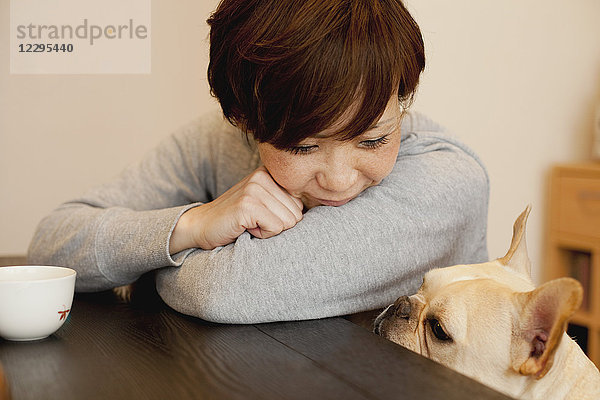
x=516, y=80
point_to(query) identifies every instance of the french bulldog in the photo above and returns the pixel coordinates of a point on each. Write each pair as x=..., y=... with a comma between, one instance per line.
x=489, y=321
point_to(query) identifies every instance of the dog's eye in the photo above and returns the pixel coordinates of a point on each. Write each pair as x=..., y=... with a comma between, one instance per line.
x=438, y=331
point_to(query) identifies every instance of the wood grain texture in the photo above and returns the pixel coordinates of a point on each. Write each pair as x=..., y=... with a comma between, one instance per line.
x=112, y=351
x=387, y=370
x=4, y=389
x=109, y=349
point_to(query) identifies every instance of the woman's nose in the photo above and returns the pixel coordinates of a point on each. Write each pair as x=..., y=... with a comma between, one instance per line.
x=337, y=175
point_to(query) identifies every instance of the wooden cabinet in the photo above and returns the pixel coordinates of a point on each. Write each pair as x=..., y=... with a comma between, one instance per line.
x=573, y=245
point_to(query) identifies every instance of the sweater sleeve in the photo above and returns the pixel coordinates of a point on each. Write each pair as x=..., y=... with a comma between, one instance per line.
x=118, y=231
x=431, y=211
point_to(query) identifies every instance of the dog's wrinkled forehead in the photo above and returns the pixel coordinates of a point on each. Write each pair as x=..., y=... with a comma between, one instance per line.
x=436, y=279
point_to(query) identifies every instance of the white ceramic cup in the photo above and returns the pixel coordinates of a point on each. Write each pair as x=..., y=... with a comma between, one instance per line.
x=34, y=300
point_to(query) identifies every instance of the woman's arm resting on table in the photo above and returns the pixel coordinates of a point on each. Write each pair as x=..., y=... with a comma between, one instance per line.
x=118, y=231
x=156, y=212
x=430, y=212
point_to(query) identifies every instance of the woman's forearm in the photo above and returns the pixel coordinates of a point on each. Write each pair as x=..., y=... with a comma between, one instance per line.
x=432, y=212
x=107, y=247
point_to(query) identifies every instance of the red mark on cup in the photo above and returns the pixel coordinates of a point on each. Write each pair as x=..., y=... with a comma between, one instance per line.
x=64, y=313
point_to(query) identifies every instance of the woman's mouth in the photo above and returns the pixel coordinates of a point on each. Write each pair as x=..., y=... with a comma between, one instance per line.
x=334, y=203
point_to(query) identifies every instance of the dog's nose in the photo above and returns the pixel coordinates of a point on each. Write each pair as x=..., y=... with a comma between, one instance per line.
x=402, y=307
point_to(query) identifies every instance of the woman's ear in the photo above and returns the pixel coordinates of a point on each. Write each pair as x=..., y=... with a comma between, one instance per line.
x=543, y=316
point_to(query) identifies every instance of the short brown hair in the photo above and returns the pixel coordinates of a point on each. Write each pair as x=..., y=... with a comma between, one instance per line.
x=284, y=70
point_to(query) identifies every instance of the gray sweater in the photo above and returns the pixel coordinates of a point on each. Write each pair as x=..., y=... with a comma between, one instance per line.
x=431, y=211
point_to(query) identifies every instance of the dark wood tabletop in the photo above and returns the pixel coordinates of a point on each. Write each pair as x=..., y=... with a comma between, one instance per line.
x=108, y=349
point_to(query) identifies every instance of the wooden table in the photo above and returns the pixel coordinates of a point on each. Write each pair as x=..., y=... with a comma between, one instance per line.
x=108, y=349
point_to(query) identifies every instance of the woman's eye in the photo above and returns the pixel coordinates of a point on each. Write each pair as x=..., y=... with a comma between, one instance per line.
x=375, y=143
x=438, y=331
x=301, y=149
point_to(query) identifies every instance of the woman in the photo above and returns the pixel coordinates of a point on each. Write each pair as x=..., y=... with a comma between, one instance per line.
x=335, y=201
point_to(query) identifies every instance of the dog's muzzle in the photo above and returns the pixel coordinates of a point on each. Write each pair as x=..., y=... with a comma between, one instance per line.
x=400, y=309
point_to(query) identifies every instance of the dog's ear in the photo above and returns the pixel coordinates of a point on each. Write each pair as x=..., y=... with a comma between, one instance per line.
x=517, y=258
x=543, y=316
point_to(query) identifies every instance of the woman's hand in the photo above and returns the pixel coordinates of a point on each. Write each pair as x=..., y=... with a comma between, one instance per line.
x=256, y=204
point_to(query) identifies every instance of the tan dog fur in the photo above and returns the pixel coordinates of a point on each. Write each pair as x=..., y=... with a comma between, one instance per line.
x=502, y=330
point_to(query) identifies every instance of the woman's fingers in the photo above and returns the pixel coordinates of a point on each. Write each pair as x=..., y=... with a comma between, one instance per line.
x=256, y=204
x=262, y=177
x=267, y=212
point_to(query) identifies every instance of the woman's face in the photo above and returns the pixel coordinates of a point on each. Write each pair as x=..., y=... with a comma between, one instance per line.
x=323, y=170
